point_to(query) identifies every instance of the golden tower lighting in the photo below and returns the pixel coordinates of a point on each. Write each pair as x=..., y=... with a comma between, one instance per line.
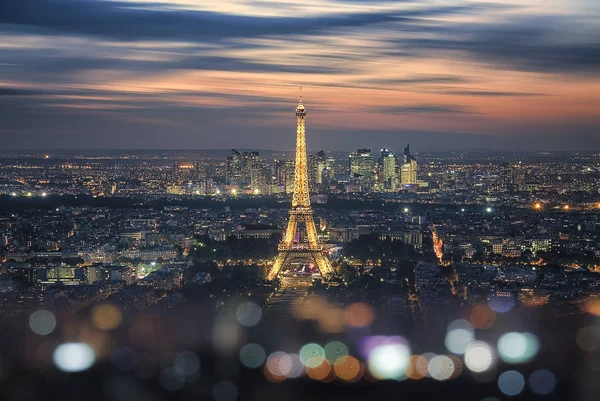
x=301, y=212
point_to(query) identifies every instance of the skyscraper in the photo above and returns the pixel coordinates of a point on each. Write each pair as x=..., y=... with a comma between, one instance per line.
x=408, y=170
x=362, y=169
x=387, y=167
x=234, y=167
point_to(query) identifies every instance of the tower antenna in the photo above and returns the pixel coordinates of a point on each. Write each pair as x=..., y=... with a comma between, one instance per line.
x=300, y=94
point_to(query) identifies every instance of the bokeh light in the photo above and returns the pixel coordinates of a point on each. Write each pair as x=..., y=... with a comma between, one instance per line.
x=322, y=372
x=106, y=316
x=518, y=348
x=348, y=369
x=441, y=367
x=335, y=350
x=298, y=368
x=417, y=367
x=457, y=340
x=171, y=380
x=252, y=355
x=248, y=314
x=482, y=317
x=388, y=361
x=187, y=364
x=542, y=382
x=42, y=322
x=511, y=383
x=279, y=365
x=359, y=314
x=74, y=357
x=312, y=355
x=501, y=303
x=478, y=356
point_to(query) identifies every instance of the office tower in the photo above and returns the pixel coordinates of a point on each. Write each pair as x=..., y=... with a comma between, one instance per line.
x=284, y=171
x=290, y=249
x=234, y=168
x=387, y=168
x=250, y=160
x=321, y=165
x=408, y=170
x=363, y=169
x=260, y=179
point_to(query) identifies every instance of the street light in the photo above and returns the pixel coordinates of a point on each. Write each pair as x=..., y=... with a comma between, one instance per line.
x=489, y=210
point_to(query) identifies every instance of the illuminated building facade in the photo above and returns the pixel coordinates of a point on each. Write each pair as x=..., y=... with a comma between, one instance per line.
x=408, y=170
x=363, y=169
x=387, y=167
x=291, y=248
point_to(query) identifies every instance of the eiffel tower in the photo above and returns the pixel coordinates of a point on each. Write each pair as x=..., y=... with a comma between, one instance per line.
x=310, y=250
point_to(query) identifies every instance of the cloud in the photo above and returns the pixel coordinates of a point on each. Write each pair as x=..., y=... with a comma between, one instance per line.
x=423, y=109
x=537, y=44
x=139, y=21
x=10, y=91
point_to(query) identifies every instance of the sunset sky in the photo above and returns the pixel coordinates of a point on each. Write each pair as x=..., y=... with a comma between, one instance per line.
x=205, y=74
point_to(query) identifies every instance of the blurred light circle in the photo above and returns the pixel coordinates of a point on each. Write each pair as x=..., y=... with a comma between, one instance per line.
x=124, y=358
x=417, y=367
x=482, y=317
x=478, y=356
x=42, y=322
x=74, y=357
x=297, y=367
x=359, y=314
x=106, y=316
x=460, y=324
x=441, y=367
x=252, y=355
x=501, y=304
x=321, y=372
x=518, y=348
x=187, y=364
x=458, y=366
x=457, y=340
x=335, y=350
x=312, y=355
x=279, y=364
x=248, y=314
x=511, y=383
x=542, y=382
x=171, y=380
x=389, y=361
x=588, y=338
x=226, y=335
x=348, y=369
x=225, y=390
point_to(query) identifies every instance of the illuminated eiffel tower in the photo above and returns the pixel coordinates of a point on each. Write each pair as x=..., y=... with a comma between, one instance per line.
x=310, y=250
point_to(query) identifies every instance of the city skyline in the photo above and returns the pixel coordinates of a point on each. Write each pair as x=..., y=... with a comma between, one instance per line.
x=174, y=74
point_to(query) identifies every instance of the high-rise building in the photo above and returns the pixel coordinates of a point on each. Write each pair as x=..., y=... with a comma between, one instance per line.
x=363, y=169
x=387, y=168
x=321, y=165
x=408, y=170
x=250, y=160
x=284, y=171
x=234, y=167
x=260, y=179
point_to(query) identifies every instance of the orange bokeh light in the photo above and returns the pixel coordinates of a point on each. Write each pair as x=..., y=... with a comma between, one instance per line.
x=417, y=367
x=482, y=317
x=359, y=314
x=348, y=369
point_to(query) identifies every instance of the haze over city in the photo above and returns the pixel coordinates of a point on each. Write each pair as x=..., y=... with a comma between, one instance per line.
x=181, y=74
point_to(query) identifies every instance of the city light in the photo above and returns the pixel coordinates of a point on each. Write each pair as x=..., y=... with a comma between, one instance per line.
x=537, y=206
x=489, y=209
x=566, y=207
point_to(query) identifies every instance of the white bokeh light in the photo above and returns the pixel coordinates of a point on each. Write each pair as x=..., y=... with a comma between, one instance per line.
x=478, y=356
x=389, y=361
x=74, y=357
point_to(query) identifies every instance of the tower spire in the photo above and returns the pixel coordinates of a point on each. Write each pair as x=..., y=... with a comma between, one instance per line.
x=290, y=248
